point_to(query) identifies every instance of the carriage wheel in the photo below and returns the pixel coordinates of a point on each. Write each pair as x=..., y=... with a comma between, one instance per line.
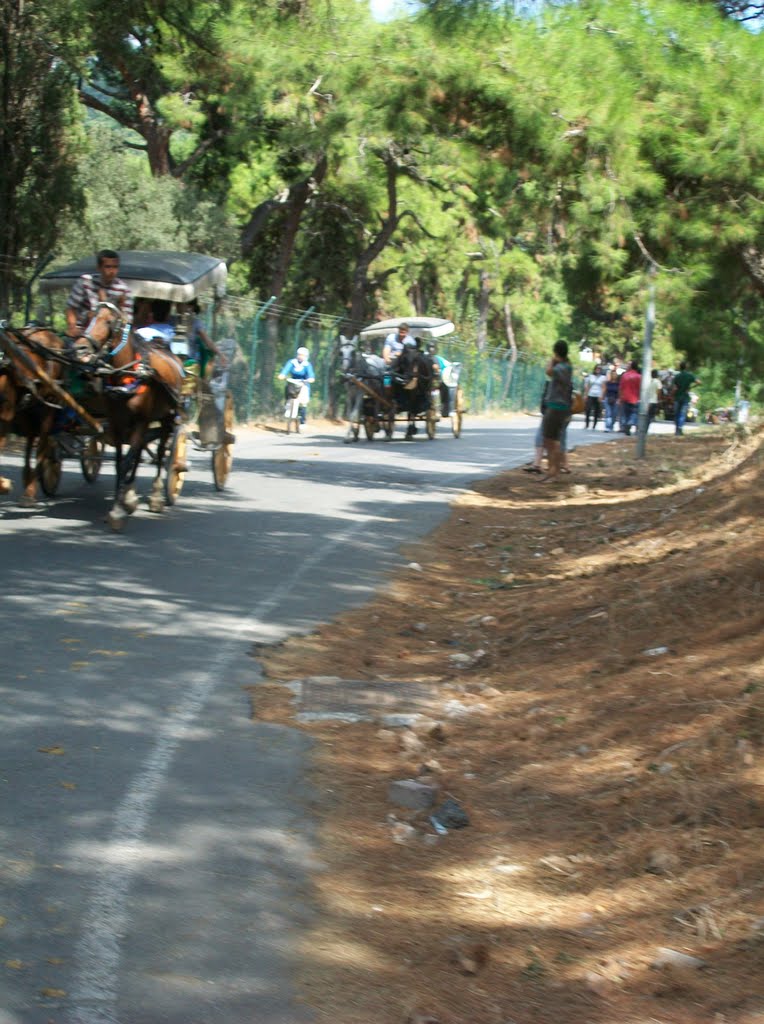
x=49, y=469
x=432, y=423
x=222, y=457
x=91, y=459
x=176, y=466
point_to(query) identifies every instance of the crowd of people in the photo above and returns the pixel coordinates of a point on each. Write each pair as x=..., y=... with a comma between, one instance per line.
x=611, y=393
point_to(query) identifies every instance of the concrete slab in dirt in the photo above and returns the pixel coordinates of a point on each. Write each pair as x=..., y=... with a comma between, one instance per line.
x=324, y=698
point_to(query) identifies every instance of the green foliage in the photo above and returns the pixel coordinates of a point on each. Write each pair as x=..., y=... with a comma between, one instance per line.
x=516, y=174
x=127, y=208
x=38, y=136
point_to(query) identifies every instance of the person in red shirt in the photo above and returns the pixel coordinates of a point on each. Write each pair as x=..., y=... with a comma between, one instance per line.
x=629, y=387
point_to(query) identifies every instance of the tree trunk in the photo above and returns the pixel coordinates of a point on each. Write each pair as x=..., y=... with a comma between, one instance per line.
x=512, y=356
x=145, y=121
x=484, y=295
x=295, y=202
x=386, y=231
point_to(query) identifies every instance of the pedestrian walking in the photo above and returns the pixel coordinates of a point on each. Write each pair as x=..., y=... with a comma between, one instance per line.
x=629, y=387
x=611, y=400
x=683, y=381
x=653, y=397
x=594, y=387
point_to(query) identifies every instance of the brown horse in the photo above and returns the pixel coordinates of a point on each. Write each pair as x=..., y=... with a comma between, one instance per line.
x=28, y=400
x=144, y=389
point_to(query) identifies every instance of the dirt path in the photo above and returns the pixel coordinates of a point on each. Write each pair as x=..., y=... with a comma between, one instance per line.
x=588, y=659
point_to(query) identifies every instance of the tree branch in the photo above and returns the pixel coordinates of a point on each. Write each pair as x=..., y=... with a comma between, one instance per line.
x=180, y=169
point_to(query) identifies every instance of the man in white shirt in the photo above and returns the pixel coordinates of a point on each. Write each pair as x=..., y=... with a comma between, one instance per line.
x=394, y=343
x=594, y=389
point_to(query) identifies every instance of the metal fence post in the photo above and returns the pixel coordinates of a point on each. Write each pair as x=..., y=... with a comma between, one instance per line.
x=328, y=360
x=253, y=355
x=298, y=326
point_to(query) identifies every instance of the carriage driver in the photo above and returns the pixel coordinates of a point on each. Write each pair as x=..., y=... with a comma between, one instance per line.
x=394, y=343
x=90, y=289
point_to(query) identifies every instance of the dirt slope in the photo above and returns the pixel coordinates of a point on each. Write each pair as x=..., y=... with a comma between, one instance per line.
x=615, y=795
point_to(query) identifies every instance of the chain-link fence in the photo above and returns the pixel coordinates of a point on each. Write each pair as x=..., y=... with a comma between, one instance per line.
x=267, y=335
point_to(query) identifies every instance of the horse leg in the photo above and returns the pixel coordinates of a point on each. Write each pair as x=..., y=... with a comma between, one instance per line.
x=353, y=416
x=125, y=498
x=156, y=498
x=7, y=407
x=28, y=478
x=6, y=486
x=117, y=515
x=130, y=500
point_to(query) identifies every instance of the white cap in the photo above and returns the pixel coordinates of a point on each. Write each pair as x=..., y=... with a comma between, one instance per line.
x=303, y=352
x=150, y=334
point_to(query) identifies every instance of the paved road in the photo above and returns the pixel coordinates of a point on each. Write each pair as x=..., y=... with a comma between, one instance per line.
x=155, y=842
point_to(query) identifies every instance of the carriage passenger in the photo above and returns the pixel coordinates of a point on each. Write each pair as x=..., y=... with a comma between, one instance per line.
x=161, y=321
x=441, y=369
x=200, y=345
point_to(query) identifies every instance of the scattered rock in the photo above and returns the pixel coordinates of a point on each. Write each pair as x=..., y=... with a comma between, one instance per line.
x=461, y=660
x=438, y=733
x=431, y=767
x=509, y=869
x=415, y=566
x=490, y=691
x=456, y=709
x=402, y=832
x=401, y=721
x=470, y=957
x=562, y=865
x=489, y=620
x=451, y=815
x=654, y=652
x=745, y=752
x=420, y=627
x=597, y=983
x=388, y=737
x=662, y=862
x=417, y=796
x=673, y=958
x=410, y=742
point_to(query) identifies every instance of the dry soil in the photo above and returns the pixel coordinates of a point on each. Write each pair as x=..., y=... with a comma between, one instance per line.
x=593, y=652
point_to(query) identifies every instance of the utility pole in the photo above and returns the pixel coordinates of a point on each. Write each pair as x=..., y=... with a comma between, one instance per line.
x=647, y=363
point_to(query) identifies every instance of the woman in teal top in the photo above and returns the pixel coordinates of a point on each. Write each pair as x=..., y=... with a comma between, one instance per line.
x=557, y=414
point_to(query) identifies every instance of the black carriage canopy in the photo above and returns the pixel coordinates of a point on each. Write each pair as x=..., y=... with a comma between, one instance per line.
x=173, y=276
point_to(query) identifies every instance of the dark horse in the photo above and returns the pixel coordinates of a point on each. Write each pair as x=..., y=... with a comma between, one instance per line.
x=412, y=385
x=31, y=365
x=364, y=375
x=143, y=389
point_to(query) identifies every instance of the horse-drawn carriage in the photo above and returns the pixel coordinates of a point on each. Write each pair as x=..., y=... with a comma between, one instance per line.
x=133, y=390
x=417, y=386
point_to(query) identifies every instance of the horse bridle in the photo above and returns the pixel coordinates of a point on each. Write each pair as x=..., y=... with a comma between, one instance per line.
x=117, y=324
